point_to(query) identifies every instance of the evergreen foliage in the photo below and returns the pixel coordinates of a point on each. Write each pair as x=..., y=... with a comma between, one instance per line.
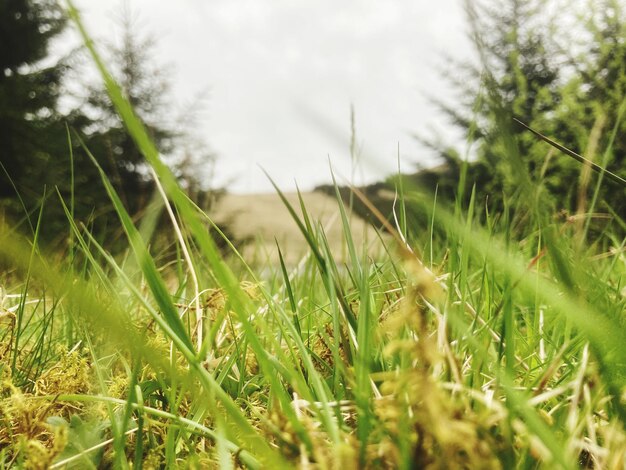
x=572, y=94
x=44, y=151
x=146, y=87
x=30, y=124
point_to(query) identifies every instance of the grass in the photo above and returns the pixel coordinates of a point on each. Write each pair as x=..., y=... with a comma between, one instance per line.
x=469, y=343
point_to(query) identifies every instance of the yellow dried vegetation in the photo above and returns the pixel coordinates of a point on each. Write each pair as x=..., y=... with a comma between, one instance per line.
x=24, y=428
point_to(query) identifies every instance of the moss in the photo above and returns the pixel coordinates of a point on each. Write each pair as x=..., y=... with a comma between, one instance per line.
x=25, y=429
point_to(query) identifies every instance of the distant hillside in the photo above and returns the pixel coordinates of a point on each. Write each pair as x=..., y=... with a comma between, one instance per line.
x=263, y=218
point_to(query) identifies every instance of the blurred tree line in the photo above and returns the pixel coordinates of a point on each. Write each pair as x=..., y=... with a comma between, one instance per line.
x=44, y=116
x=560, y=71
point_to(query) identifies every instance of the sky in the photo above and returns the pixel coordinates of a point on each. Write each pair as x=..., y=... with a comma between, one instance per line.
x=279, y=78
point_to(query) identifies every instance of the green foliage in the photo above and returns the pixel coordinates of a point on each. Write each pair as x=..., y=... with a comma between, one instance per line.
x=146, y=86
x=31, y=129
x=41, y=153
x=569, y=90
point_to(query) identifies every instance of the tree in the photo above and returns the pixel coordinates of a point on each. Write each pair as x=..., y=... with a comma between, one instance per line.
x=147, y=88
x=516, y=77
x=30, y=124
x=34, y=147
x=576, y=99
x=596, y=100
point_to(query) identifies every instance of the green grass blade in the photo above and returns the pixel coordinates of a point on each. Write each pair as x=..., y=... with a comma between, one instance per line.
x=145, y=261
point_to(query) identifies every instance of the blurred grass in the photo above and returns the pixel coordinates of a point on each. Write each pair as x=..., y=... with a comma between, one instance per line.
x=471, y=342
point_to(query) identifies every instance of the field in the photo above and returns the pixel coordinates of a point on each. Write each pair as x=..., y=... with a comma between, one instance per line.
x=447, y=337
x=263, y=222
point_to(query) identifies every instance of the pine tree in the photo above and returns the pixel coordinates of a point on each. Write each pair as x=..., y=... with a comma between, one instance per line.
x=595, y=104
x=515, y=78
x=147, y=88
x=34, y=146
x=523, y=73
x=31, y=129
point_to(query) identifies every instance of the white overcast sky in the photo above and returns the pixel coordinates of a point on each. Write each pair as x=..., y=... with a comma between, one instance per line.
x=281, y=76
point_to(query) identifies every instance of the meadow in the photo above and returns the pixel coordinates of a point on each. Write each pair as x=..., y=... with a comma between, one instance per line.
x=461, y=338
